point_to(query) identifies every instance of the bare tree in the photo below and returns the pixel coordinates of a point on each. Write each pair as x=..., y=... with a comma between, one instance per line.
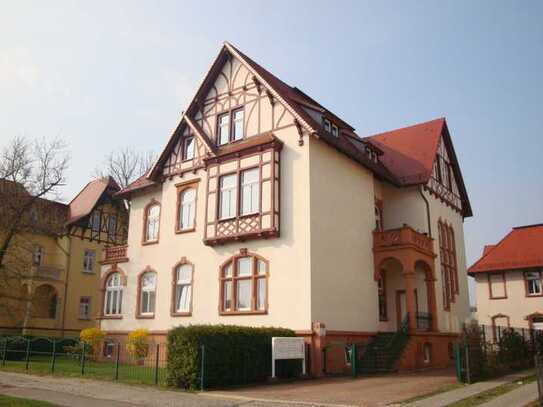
x=31, y=171
x=126, y=165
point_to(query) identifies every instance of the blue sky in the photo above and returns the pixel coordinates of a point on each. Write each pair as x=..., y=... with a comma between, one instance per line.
x=109, y=74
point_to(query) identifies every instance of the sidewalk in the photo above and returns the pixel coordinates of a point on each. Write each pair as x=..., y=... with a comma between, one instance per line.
x=444, y=399
x=519, y=397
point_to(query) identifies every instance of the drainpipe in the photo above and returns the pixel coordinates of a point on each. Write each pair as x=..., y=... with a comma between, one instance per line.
x=427, y=211
x=68, y=264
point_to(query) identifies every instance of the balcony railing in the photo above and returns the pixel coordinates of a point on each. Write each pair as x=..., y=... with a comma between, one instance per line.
x=115, y=254
x=402, y=237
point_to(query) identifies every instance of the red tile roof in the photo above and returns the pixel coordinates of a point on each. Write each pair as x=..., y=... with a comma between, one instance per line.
x=83, y=204
x=521, y=248
x=140, y=183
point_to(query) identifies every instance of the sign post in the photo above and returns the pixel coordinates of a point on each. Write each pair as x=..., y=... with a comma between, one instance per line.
x=288, y=348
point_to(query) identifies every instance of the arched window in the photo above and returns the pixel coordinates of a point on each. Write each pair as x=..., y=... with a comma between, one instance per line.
x=152, y=223
x=45, y=302
x=187, y=209
x=244, y=285
x=147, y=293
x=183, y=289
x=114, y=295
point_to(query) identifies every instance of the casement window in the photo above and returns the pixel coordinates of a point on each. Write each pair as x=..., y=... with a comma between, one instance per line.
x=84, y=307
x=113, y=295
x=188, y=148
x=112, y=227
x=228, y=196
x=497, y=288
x=327, y=125
x=449, y=267
x=147, y=293
x=95, y=221
x=37, y=255
x=335, y=131
x=152, y=223
x=230, y=126
x=187, y=209
x=533, y=283
x=250, y=192
x=244, y=285
x=89, y=259
x=381, y=284
x=183, y=289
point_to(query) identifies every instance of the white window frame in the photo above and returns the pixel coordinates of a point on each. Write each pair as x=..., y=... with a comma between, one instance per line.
x=89, y=260
x=250, y=190
x=230, y=193
x=148, y=294
x=236, y=121
x=113, y=297
x=187, y=209
x=188, y=149
x=152, y=223
x=84, y=307
x=223, y=129
x=536, y=276
x=183, y=283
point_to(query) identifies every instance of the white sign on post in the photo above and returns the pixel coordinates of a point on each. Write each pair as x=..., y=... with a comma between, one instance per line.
x=287, y=348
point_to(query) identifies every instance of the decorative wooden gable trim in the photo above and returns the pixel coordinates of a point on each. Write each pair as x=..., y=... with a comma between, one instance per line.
x=446, y=182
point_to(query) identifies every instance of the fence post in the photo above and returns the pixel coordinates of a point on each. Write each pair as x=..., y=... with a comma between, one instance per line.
x=156, y=362
x=468, y=367
x=5, y=354
x=202, y=368
x=353, y=358
x=54, y=356
x=117, y=358
x=27, y=352
x=458, y=361
x=324, y=360
x=83, y=359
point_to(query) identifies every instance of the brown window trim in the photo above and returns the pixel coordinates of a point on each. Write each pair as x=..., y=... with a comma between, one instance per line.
x=139, y=314
x=173, y=312
x=184, y=144
x=528, y=295
x=181, y=187
x=448, y=262
x=230, y=114
x=494, y=326
x=530, y=318
x=103, y=281
x=253, y=277
x=151, y=203
x=490, y=294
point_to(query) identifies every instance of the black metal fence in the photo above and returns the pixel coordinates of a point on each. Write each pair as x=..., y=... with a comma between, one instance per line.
x=539, y=376
x=71, y=357
x=485, y=351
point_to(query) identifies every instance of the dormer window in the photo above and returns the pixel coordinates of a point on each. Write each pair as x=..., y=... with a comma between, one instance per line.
x=335, y=131
x=327, y=125
x=188, y=148
x=230, y=126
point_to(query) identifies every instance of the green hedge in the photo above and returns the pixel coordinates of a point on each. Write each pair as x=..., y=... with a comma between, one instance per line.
x=233, y=355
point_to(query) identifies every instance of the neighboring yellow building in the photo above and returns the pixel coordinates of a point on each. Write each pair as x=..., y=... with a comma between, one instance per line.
x=60, y=292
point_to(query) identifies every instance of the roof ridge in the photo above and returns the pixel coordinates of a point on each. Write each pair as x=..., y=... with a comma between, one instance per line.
x=535, y=225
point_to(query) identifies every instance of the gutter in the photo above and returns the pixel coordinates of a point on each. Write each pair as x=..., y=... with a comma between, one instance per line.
x=428, y=218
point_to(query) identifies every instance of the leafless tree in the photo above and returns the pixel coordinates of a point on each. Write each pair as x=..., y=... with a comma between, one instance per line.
x=32, y=173
x=125, y=165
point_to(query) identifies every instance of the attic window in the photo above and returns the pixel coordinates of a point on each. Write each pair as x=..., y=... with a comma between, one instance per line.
x=335, y=131
x=327, y=125
x=188, y=148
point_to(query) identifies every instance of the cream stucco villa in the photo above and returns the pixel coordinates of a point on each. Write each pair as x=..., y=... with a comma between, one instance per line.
x=266, y=209
x=509, y=280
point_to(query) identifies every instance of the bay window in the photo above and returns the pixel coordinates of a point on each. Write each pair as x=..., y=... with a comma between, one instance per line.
x=228, y=196
x=244, y=285
x=250, y=192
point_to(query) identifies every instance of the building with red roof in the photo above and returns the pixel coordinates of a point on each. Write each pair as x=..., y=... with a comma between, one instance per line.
x=509, y=279
x=265, y=208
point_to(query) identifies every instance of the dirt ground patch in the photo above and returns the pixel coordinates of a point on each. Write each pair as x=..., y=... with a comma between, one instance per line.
x=369, y=391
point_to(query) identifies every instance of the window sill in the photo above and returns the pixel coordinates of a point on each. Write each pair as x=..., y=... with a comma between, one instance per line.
x=228, y=313
x=182, y=231
x=145, y=316
x=110, y=317
x=84, y=319
x=149, y=242
x=91, y=273
x=259, y=234
x=498, y=298
x=181, y=314
x=534, y=295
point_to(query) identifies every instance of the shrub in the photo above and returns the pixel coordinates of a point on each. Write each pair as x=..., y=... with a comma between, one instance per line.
x=513, y=349
x=92, y=337
x=233, y=355
x=137, y=344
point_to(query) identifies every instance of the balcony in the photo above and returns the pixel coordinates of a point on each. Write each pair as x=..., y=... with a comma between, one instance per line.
x=115, y=254
x=403, y=238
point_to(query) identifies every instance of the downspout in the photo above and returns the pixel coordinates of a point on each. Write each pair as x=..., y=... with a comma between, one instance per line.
x=68, y=264
x=427, y=211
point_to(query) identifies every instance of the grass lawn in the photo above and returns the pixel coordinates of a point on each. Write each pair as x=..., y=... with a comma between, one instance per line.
x=492, y=393
x=68, y=366
x=6, y=401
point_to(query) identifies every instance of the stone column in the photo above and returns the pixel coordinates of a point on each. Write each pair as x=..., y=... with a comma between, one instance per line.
x=410, y=285
x=432, y=305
